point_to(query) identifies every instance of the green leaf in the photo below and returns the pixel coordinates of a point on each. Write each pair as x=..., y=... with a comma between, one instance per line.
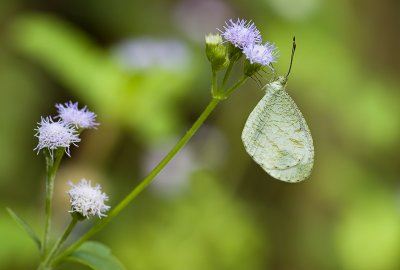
x=25, y=226
x=97, y=256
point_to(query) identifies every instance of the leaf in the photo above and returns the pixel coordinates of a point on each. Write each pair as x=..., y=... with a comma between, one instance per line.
x=97, y=256
x=25, y=226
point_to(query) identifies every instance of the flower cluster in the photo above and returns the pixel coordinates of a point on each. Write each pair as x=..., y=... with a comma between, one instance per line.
x=53, y=135
x=82, y=118
x=260, y=54
x=246, y=36
x=241, y=33
x=86, y=200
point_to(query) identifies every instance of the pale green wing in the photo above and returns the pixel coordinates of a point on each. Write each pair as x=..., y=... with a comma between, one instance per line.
x=277, y=137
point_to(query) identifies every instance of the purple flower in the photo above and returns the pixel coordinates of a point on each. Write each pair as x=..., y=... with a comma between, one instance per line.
x=260, y=54
x=87, y=200
x=241, y=33
x=82, y=118
x=53, y=135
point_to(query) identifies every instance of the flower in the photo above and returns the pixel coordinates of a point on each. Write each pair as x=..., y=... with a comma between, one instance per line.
x=87, y=200
x=82, y=118
x=260, y=54
x=213, y=40
x=241, y=33
x=53, y=135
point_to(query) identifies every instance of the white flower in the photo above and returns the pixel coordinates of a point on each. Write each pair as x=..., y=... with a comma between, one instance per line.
x=53, y=135
x=260, y=54
x=82, y=118
x=213, y=40
x=87, y=200
x=241, y=33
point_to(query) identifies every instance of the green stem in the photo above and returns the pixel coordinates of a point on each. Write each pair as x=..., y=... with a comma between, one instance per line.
x=59, y=242
x=143, y=184
x=214, y=83
x=52, y=165
x=227, y=74
x=236, y=85
x=43, y=267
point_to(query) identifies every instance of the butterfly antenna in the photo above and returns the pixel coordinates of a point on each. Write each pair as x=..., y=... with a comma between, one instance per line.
x=291, y=58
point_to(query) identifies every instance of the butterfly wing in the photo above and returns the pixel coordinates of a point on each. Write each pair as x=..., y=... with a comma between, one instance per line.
x=278, y=138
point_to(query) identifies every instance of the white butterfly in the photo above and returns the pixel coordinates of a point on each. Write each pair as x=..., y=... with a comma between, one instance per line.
x=277, y=137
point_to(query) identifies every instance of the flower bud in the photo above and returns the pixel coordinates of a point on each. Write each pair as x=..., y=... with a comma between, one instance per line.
x=216, y=52
x=250, y=69
x=234, y=53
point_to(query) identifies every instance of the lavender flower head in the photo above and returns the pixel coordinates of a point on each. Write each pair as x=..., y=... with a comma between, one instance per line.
x=53, y=135
x=82, y=118
x=87, y=200
x=241, y=33
x=260, y=54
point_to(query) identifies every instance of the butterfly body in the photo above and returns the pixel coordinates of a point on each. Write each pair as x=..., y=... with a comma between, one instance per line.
x=277, y=137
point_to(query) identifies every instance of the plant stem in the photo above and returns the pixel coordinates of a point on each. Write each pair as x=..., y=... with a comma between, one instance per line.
x=214, y=83
x=52, y=165
x=60, y=241
x=227, y=74
x=143, y=184
x=236, y=85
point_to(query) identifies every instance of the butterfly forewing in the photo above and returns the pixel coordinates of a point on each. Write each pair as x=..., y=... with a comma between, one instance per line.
x=277, y=137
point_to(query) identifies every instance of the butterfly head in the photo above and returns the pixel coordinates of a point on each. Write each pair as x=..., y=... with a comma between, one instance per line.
x=276, y=85
x=282, y=80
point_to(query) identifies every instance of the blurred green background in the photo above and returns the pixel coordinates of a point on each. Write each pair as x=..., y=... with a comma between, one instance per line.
x=140, y=65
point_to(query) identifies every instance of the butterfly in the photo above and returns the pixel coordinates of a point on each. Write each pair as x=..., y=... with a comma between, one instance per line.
x=276, y=134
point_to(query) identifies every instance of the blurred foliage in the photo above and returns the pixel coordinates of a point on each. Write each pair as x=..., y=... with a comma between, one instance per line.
x=90, y=71
x=229, y=214
x=17, y=250
x=216, y=232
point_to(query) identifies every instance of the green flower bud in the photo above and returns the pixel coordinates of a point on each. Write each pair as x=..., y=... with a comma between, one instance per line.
x=216, y=52
x=250, y=69
x=77, y=216
x=234, y=53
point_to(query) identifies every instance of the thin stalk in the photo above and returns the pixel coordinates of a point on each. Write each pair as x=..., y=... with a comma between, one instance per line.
x=236, y=85
x=214, y=83
x=143, y=184
x=227, y=74
x=59, y=242
x=52, y=165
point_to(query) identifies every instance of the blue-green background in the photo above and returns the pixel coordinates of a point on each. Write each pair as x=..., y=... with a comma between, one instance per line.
x=212, y=208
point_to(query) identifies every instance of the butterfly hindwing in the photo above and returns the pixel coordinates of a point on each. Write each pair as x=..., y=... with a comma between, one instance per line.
x=277, y=136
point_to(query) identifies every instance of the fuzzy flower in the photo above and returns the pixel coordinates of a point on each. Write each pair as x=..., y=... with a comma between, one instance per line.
x=260, y=54
x=53, y=135
x=87, y=200
x=82, y=118
x=241, y=33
